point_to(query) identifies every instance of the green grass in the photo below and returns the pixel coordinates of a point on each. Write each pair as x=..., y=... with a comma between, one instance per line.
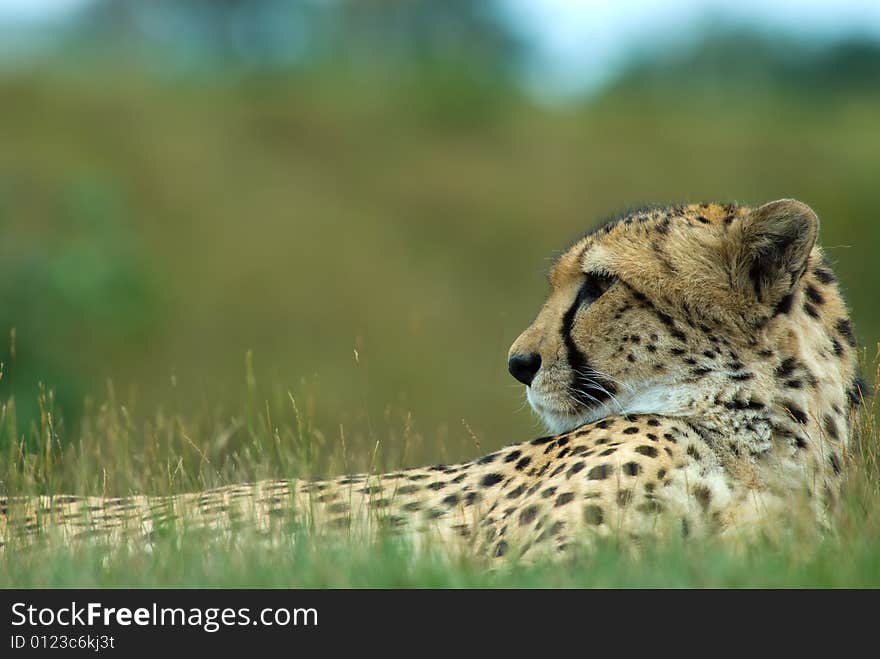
x=851, y=562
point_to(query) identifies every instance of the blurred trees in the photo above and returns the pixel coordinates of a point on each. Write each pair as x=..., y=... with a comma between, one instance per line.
x=277, y=33
x=73, y=281
x=768, y=63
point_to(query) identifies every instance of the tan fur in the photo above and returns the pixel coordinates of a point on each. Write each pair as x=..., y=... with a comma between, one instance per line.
x=726, y=357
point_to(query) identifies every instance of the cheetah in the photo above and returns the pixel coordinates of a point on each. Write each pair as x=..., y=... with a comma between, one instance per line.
x=697, y=370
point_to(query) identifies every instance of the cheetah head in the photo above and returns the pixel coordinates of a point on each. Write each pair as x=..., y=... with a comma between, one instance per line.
x=656, y=311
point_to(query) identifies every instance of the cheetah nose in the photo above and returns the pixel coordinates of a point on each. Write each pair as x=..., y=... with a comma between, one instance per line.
x=524, y=367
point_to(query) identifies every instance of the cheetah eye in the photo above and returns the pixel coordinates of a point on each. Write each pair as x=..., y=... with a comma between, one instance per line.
x=594, y=285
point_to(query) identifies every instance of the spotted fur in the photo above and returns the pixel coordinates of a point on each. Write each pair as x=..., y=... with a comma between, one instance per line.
x=696, y=366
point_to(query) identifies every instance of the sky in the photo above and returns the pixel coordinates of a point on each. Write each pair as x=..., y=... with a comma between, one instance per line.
x=30, y=10
x=581, y=43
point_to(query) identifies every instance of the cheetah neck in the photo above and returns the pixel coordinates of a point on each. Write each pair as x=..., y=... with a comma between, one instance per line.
x=720, y=417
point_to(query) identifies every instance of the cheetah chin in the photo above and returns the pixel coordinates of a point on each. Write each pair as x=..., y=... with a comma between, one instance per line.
x=666, y=400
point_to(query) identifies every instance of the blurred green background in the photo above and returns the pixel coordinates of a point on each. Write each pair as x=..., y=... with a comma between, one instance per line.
x=366, y=195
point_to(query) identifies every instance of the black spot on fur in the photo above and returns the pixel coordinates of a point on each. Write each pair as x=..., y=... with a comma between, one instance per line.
x=486, y=459
x=549, y=492
x=844, y=328
x=491, y=479
x=830, y=427
x=632, y=468
x=784, y=305
x=651, y=506
x=653, y=423
x=703, y=495
x=517, y=491
x=63, y=499
x=513, y=455
x=528, y=515
x=824, y=276
x=599, y=472
x=450, y=499
x=835, y=462
x=348, y=480
x=575, y=468
x=541, y=440
x=564, y=498
x=631, y=430
x=857, y=392
x=811, y=310
x=648, y=451
x=666, y=319
x=814, y=295
x=523, y=463
x=796, y=412
x=787, y=367
x=594, y=514
x=471, y=498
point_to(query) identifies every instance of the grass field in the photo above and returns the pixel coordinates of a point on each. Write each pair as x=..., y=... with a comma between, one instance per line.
x=295, y=277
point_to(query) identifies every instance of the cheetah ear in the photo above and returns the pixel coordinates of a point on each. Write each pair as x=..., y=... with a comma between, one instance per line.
x=774, y=245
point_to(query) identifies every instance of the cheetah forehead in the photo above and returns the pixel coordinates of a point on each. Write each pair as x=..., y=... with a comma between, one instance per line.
x=680, y=242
